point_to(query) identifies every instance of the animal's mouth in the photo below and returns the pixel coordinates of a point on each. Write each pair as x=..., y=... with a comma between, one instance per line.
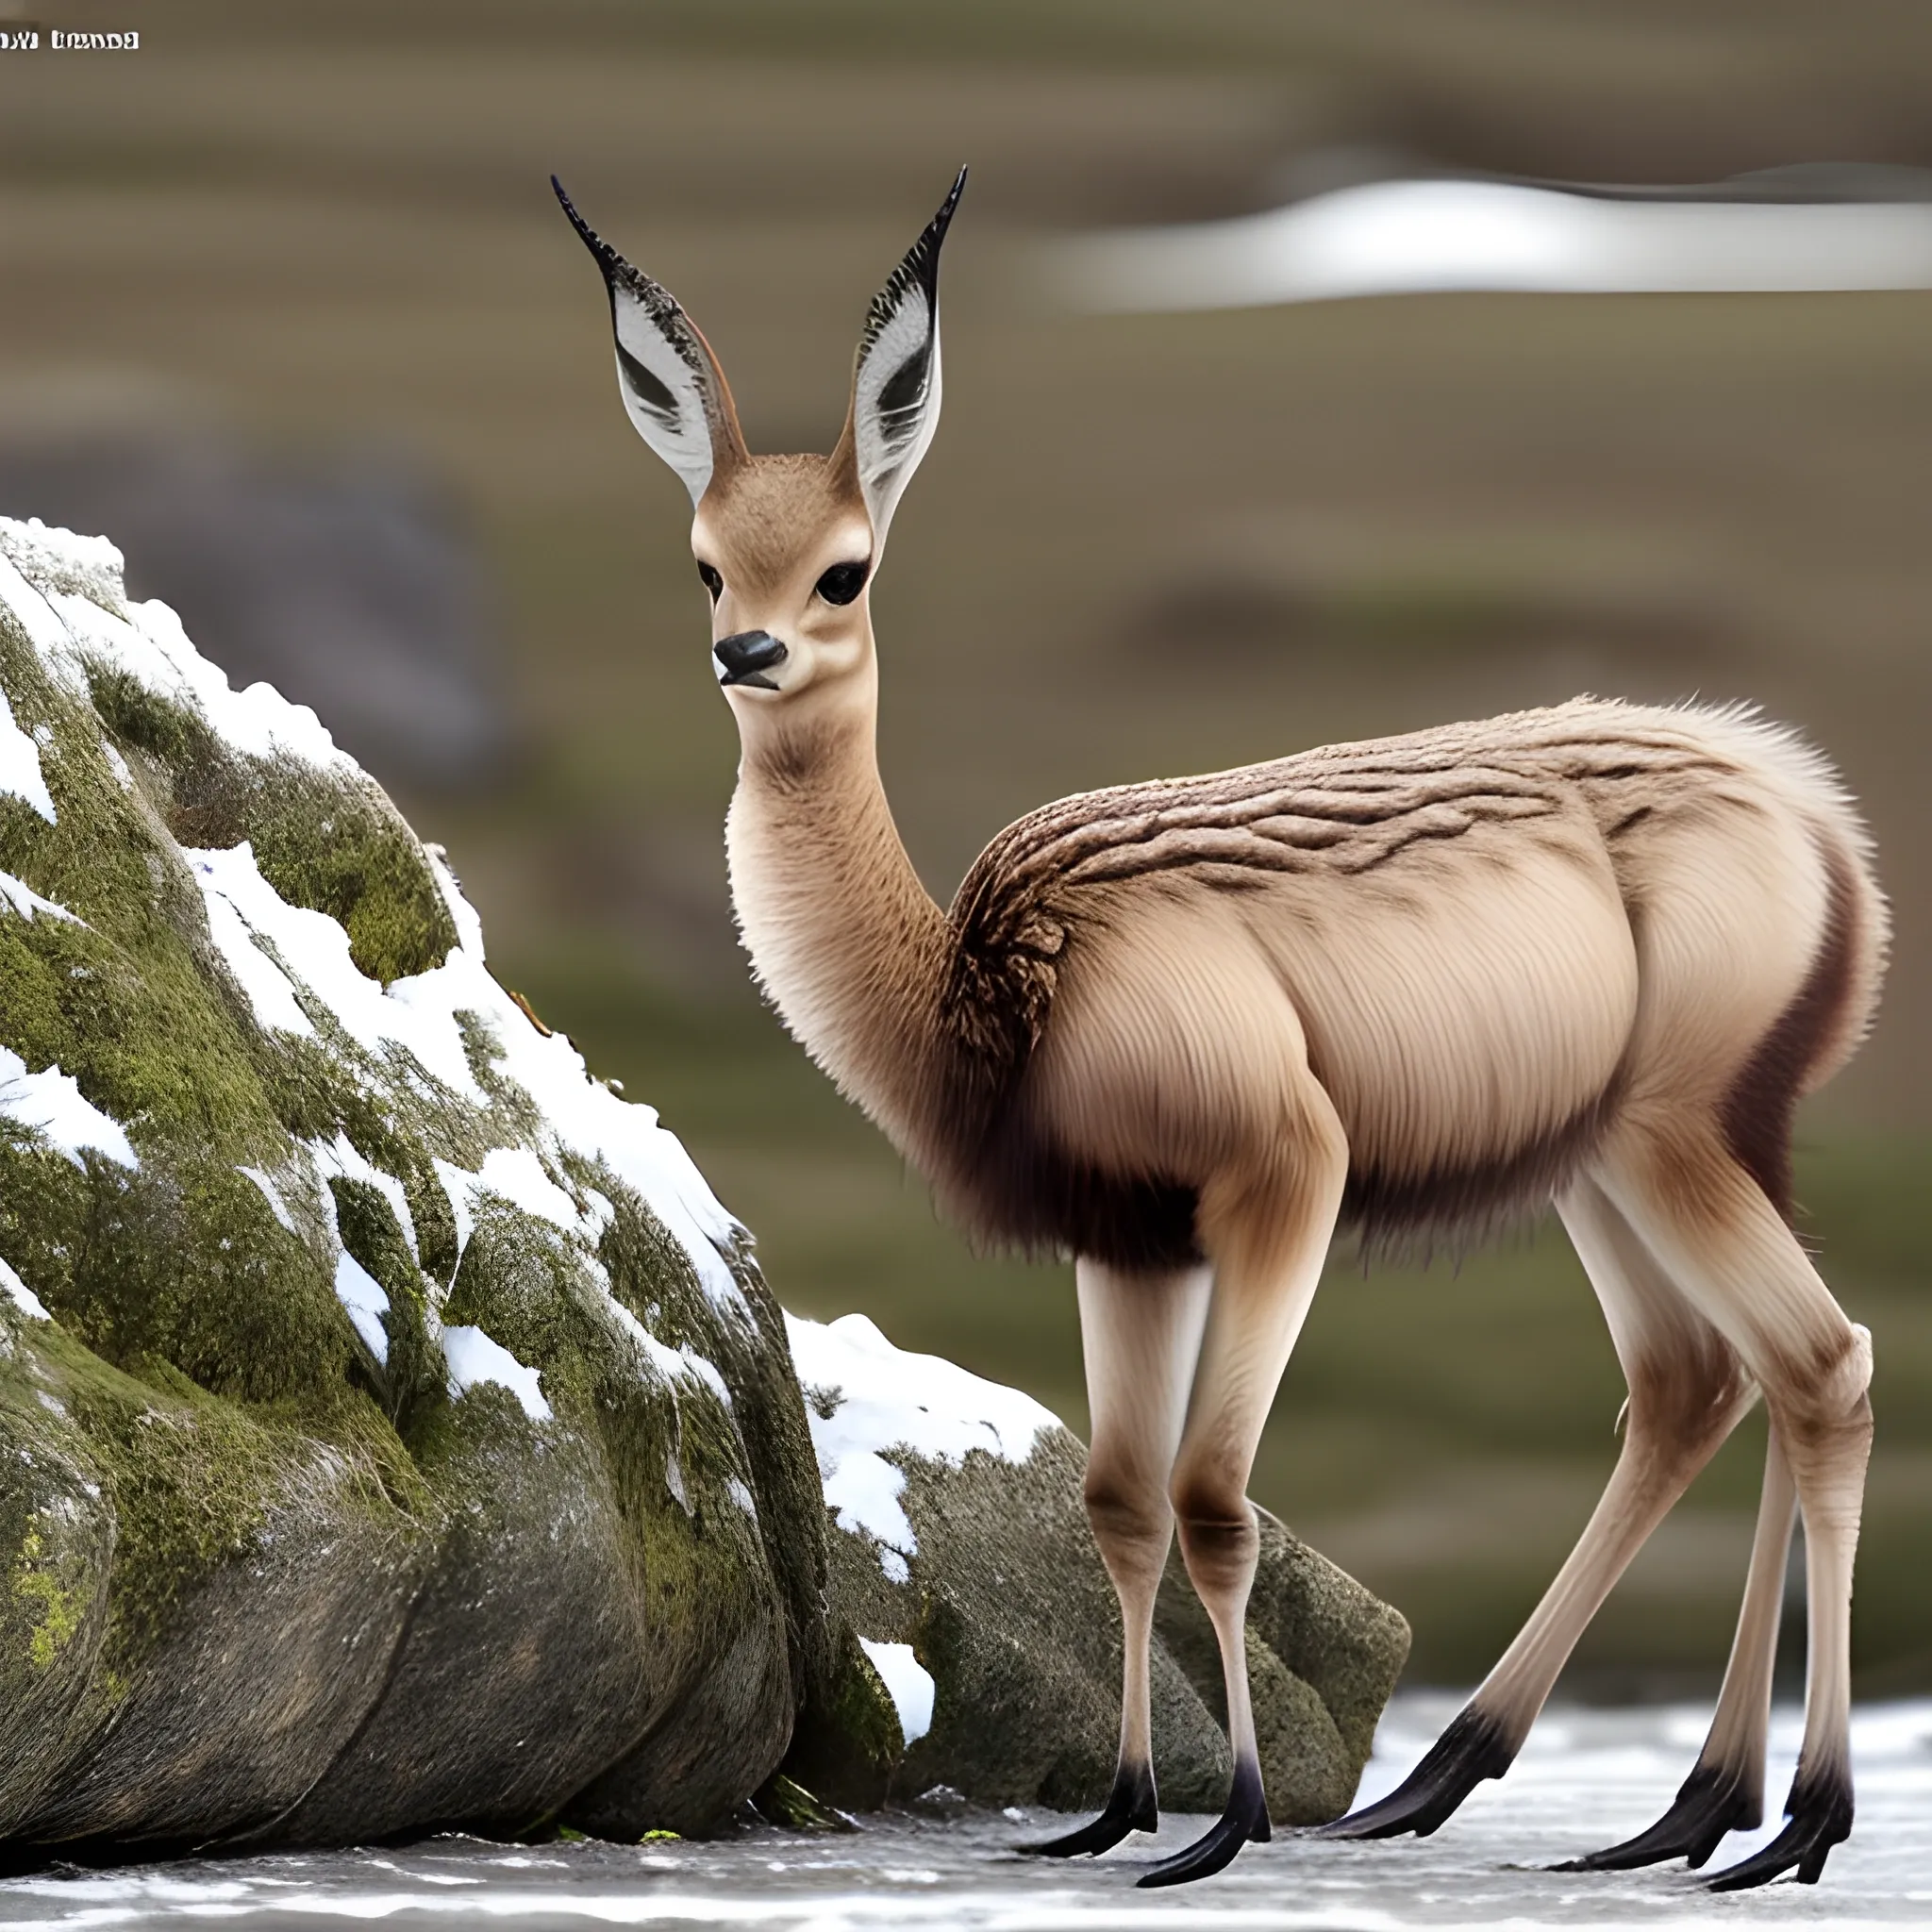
x=745, y=658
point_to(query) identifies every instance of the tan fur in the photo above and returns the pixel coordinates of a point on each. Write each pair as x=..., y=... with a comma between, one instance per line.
x=1183, y=1030
x=1594, y=911
x=1425, y=981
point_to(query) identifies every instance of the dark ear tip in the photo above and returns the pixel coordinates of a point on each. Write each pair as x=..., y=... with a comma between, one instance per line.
x=924, y=260
x=606, y=255
x=940, y=222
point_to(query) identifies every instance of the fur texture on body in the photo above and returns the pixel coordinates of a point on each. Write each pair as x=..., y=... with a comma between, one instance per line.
x=1495, y=939
x=1590, y=956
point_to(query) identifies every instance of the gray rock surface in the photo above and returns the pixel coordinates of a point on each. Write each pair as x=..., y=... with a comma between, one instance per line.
x=960, y=1555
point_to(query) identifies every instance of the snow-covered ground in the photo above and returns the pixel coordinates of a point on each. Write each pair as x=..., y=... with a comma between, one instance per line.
x=1587, y=1777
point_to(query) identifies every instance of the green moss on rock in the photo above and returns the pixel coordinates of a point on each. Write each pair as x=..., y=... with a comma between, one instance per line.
x=269, y=1572
x=331, y=843
x=56, y=1605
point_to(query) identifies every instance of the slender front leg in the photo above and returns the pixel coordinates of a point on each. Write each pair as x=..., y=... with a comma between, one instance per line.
x=1724, y=1792
x=1268, y=1240
x=1140, y=1335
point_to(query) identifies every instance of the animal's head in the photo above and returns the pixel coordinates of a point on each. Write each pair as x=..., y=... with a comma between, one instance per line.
x=786, y=546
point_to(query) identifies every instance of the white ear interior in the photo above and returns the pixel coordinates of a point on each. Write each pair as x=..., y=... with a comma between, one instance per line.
x=672, y=390
x=664, y=395
x=895, y=387
x=895, y=404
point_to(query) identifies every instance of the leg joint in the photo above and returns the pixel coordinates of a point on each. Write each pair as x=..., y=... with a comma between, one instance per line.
x=1207, y=1501
x=1125, y=1513
x=1824, y=1399
x=1220, y=1538
x=1691, y=1394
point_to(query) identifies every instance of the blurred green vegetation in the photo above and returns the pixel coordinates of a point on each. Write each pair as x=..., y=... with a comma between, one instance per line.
x=1139, y=546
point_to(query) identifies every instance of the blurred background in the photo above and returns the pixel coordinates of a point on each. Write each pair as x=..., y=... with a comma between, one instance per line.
x=286, y=309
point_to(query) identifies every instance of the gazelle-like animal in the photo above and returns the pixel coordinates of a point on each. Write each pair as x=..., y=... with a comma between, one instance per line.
x=1591, y=955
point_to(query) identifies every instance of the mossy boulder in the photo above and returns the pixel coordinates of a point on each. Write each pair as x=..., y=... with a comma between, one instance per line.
x=395, y=1432
x=976, y=1640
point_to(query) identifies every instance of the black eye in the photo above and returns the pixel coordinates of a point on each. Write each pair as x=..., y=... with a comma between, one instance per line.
x=712, y=581
x=842, y=582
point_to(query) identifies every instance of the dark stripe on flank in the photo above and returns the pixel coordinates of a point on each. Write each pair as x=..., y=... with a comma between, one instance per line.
x=1393, y=1211
x=1027, y=1195
x=1759, y=1111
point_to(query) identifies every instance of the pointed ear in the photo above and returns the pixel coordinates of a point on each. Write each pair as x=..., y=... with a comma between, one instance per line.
x=895, y=382
x=673, y=391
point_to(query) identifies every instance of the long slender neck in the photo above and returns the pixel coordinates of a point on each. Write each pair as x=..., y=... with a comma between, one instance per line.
x=843, y=935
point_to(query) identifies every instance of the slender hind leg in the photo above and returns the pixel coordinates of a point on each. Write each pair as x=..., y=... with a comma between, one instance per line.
x=1713, y=1227
x=1687, y=1392
x=1140, y=1335
x=1724, y=1792
x=1268, y=1242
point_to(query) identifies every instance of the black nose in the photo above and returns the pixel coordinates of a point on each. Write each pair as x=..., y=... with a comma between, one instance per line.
x=746, y=657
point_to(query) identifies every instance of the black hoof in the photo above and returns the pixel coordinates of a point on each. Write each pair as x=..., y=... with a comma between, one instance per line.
x=1245, y=1821
x=1472, y=1749
x=1820, y=1811
x=1711, y=1802
x=1131, y=1806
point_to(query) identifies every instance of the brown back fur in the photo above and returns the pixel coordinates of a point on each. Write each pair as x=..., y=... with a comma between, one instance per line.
x=1495, y=936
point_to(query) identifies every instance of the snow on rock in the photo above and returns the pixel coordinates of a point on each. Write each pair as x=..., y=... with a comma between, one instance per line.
x=52, y=1104
x=291, y=962
x=309, y=951
x=23, y=898
x=20, y=1294
x=50, y=552
x=271, y=1194
x=367, y=1302
x=472, y=1357
x=150, y=646
x=339, y=1159
x=294, y=965
x=517, y=1176
x=864, y=1397
x=581, y=1115
x=908, y=1682
x=307, y=954
x=19, y=765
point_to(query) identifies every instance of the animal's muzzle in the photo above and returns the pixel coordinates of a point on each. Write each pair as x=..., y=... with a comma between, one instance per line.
x=745, y=658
